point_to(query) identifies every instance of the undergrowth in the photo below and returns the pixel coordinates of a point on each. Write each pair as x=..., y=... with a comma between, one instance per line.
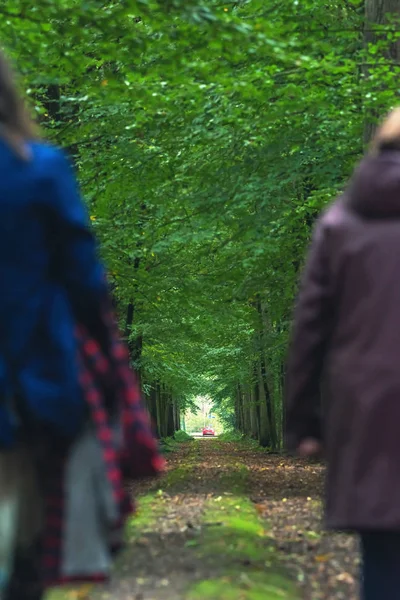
x=181, y=436
x=231, y=436
x=238, y=437
x=171, y=444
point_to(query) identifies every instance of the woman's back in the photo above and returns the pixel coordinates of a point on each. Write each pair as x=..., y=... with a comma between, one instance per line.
x=25, y=231
x=362, y=244
x=49, y=273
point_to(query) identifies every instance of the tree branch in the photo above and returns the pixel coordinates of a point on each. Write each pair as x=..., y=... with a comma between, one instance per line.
x=20, y=16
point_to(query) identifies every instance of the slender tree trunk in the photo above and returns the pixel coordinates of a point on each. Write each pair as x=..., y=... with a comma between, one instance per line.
x=136, y=344
x=246, y=410
x=177, y=412
x=269, y=401
x=254, y=414
x=265, y=424
x=152, y=403
x=159, y=410
x=169, y=415
x=376, y=13
x=266, y=379
x=239, y=409
x=282, y=384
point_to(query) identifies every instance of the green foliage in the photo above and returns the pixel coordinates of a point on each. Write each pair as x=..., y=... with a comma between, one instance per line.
x=171, y=444
x=237, y=436
x=232, y=436
x=207, y=136
x=152, y=506
x=168, y=445
x=199, y=416
x=194, y=422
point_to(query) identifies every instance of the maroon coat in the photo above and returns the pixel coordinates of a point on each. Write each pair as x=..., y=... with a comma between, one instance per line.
x=347, y=328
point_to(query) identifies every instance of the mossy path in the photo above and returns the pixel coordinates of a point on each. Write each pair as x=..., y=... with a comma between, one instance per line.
x=229, y=522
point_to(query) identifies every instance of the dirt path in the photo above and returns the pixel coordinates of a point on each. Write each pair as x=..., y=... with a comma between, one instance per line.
x=287, y=492
x=229, y=522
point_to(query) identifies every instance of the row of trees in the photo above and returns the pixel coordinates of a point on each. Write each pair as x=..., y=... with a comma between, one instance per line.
x=208, y=136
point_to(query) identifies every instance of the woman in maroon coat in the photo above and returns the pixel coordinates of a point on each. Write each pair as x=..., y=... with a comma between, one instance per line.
x=347, y=329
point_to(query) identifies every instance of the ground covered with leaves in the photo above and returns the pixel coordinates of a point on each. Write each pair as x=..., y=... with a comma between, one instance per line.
x=230, y=522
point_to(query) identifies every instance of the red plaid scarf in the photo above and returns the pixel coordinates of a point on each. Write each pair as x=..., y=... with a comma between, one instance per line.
x=138, y=458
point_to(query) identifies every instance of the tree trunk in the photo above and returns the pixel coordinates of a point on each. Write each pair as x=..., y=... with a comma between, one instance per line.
x=239, y=409
x=246, y=409
x=254, y=418
x=176, y=418
x=152, y=403
x=376, y=12
x=282, y=386
x=169, y=416
x=136, y=344
x=267, y=381
x=159, y=410
x=269, y=401
x=265, y=424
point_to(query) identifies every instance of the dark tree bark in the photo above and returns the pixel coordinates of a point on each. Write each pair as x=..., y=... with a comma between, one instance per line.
x=376, y=13
x=265, y=422
x=239, y=409
x=152, y=404
x=170, y=420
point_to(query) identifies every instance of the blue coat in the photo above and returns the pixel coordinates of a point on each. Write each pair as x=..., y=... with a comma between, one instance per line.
x=49, y=272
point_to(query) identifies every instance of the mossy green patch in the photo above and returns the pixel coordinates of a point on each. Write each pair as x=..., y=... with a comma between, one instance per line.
x=184, y=471
x=234, y=532
x=252, y=586
x=172, y=444
x=168, y=445
x=231, y=436
x=235, y=538
x=235, y=479
x=70, y=593
x=150, y=508
x=182, y=437
x=244, y=440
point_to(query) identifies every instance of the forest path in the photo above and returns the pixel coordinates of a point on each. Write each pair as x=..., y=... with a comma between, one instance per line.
x=230, y=522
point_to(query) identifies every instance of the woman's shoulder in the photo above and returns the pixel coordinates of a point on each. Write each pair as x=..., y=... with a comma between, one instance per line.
x=49, y=164
x=336, y=214
x=47, y=155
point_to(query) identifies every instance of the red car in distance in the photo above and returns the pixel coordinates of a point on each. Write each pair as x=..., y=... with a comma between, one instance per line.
x=208, y=431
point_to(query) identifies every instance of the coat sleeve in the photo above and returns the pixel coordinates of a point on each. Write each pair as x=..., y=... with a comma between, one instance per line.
x=74, y=251
x=310, y=335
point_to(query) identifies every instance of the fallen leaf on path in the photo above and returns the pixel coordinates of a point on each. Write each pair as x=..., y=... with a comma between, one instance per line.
x=346, y=577
x=323, y=557
x=81, y=593
x=260, y=508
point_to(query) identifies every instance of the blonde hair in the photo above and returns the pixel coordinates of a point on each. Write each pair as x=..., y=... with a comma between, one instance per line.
x=387, y=136
x=16, y=126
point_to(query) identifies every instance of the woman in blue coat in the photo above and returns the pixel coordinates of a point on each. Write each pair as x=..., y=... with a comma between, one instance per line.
x=49, y=276
x=51, y=280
